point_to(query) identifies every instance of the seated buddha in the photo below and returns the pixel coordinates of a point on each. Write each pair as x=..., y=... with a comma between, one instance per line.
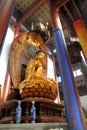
x=36, y=84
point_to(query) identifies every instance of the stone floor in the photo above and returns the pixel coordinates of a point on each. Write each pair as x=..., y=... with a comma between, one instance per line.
x=36, y=126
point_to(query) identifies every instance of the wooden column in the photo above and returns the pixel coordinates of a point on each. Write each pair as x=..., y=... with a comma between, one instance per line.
x=6, y=87
x=6, y=9
x=75, y=117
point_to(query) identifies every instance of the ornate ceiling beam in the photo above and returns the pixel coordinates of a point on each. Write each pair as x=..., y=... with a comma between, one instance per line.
x=30, y=12
x=67, y=24
x=69, y=13
x=74, y=4
x=61, y=3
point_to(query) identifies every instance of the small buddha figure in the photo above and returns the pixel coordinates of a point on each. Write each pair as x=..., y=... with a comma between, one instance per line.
x=36, y=83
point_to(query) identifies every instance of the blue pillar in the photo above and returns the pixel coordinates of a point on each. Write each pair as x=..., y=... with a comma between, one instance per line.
x=75, y=116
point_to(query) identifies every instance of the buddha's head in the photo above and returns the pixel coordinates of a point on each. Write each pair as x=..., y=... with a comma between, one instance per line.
x=40, y=54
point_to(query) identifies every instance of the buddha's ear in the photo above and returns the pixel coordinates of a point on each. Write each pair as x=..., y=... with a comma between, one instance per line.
x=21, y=51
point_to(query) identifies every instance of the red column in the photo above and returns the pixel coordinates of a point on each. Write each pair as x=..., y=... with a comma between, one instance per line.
x=0, y=93
x=6, y=87
x=81, y=32
x=6, y=8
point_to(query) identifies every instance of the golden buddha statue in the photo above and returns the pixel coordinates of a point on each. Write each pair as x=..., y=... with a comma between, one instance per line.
x=35, y=83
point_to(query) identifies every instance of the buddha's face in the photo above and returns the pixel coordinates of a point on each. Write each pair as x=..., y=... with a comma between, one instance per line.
x=40, y=55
